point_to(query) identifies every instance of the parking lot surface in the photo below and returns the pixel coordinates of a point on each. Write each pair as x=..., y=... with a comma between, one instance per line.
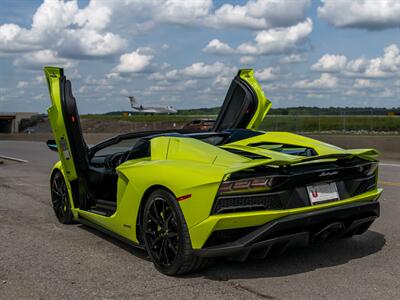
x=42, y=259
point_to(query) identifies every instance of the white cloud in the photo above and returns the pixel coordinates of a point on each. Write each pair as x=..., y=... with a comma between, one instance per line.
x=89, y=43
x=367, y=14
x=357, y=65
x=365, y=84
x=171, y=75
x=326, y=81
x=259, y=14
x=64, y=28
x=80, y=33
x=199, y=70
x=14, y=39
x=39, y=79
x=222, y=82
x=388, y=63
x=350, y=92
x=246, y=60
x=124, y=92
x=188, y=85
x=39, y=97
x=379, y=67
x=292, y=58
x=22, y=84
x=133, y=62
x=387, y=93
x=266, y=74
x=156, y=76
x=277, y=40
x=203, y=70
x=273, y=86
x=215, y=46
x=82, y=89
x=94, y=16
x=180, y=12
x=164, y=66
x=315, y=96
x=37, y=59
x=330, y=63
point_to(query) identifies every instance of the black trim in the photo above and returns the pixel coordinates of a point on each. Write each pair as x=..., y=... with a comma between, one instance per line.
x=79, y=149
x=109, y=233
x=299, y=228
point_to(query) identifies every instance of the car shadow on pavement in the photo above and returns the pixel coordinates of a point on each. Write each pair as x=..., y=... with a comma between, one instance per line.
x=297, y=260
x=293, y=261
x=140, y=253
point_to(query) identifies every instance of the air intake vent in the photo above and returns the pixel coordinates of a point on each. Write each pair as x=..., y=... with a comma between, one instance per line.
x=229, y=204
x=246, y=154
x=365, y=186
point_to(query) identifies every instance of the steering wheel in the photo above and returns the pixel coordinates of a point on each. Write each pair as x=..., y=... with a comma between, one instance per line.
x=114, y=160
x=123, y=158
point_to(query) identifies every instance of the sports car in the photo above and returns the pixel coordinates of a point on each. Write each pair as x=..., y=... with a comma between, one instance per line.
x=233, y=191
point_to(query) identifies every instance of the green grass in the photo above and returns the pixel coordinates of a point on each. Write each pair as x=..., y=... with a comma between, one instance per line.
x=331, y=123
x=298, y=123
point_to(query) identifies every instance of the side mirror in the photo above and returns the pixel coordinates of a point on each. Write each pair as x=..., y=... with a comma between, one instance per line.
x=52, y=145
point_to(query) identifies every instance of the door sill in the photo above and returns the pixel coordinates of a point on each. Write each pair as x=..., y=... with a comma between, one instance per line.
x=110, y=233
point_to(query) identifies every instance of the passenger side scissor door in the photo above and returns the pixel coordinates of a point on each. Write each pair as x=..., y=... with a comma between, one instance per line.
x=245, y=104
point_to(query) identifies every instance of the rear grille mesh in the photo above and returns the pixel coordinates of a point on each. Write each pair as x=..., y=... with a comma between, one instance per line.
x=247, y=203
x=365, y=186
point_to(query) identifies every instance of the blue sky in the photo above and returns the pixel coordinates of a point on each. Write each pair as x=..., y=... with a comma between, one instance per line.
x=185, y=53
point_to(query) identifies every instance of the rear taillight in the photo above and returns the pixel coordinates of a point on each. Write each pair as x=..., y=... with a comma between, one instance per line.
x=368, y=169
x=250, y=184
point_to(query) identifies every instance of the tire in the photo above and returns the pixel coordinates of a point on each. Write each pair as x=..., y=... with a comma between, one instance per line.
x=166, y=236
x=60, y=199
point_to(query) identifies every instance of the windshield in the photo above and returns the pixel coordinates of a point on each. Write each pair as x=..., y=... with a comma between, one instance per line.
x=121, y=146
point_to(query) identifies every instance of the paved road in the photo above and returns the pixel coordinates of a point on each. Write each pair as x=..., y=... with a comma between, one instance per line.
x=40, y=258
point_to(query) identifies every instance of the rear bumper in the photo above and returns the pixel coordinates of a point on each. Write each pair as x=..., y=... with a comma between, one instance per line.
x=301, y=228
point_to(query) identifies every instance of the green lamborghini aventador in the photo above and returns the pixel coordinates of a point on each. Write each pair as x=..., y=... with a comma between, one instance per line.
x=233, y=191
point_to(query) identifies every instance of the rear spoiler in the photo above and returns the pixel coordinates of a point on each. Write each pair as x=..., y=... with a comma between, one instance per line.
x=368, y=154
x=280, y=159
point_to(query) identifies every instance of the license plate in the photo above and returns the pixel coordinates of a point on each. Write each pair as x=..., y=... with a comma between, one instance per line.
x=322, y=192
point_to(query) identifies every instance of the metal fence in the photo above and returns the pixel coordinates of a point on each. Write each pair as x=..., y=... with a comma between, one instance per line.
x=332, y=123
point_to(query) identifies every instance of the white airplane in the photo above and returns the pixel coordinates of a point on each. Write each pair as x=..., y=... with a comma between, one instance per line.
x=151, y=109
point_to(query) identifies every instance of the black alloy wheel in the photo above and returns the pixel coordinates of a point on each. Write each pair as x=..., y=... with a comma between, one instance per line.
x=60, y=199
x=161, y=231
x=166, y=236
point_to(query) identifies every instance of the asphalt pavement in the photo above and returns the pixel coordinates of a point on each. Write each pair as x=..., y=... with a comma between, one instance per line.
x=42, y=259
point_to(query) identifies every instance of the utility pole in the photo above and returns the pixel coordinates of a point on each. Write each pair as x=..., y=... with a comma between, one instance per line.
x=344, y=121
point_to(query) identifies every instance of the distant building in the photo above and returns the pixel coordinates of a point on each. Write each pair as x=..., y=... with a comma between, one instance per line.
x=9, y=122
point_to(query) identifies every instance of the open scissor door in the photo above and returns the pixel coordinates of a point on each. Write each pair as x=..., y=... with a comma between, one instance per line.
x=245, y=105
x=66, y=126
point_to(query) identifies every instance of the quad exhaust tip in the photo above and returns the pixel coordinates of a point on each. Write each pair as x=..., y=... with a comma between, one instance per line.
x=329, y=232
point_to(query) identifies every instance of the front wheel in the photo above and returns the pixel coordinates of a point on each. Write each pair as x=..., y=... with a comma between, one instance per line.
x=60, y=199
x=166, y=235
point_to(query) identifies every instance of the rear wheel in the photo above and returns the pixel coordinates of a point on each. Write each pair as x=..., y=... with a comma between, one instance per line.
x=166, y=235
x=60, y=199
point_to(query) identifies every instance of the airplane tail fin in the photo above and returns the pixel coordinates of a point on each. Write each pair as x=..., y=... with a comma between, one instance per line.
x=133, y=101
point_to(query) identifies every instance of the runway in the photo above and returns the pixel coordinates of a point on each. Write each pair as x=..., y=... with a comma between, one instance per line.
x=40, y=258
